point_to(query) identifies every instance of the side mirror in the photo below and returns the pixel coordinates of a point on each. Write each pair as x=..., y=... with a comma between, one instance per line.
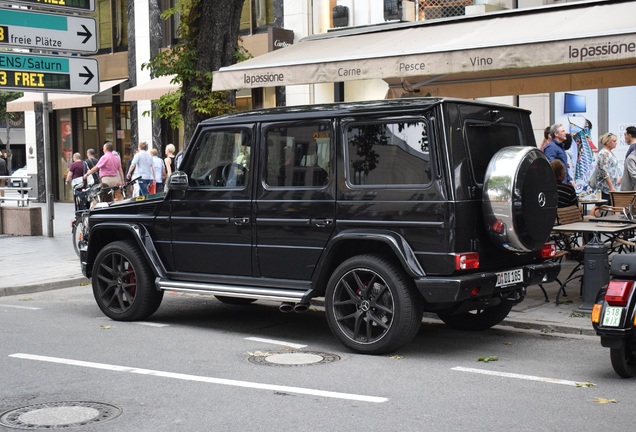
x=178, y=181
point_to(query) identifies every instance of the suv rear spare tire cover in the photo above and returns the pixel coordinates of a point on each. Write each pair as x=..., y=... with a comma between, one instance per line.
x=520, y=199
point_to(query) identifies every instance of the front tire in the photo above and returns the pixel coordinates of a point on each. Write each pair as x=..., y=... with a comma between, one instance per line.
x=481, y=319
x=123, y=283
x=371, y=306
x=624, y=359
x=78, y=233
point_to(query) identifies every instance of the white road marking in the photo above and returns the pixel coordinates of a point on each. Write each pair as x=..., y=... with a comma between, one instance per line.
x=517, y=376
x=275, y=342
x=20, y=307
x=151, y=324
x=204, y=379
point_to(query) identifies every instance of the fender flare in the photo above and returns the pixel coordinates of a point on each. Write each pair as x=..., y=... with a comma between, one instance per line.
x=396, y=242
x=139, y=233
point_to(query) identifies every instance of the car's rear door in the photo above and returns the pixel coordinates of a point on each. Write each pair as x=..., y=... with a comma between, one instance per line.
x=295, y=205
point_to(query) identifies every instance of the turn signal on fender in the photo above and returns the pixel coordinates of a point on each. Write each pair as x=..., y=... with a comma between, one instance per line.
x=596, y=313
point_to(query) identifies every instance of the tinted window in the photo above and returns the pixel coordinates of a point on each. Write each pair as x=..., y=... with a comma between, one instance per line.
x=298, y=156
x=222, y=159
x=486, y=139
x=389, y=153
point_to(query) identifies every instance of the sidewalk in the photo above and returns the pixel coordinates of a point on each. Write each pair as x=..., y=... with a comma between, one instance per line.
x=42, y=263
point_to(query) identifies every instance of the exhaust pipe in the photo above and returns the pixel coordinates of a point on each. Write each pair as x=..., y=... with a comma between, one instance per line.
x=286, y=307
x=301, y=307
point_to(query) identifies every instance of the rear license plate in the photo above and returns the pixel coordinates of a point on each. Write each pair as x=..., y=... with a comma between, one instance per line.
x=612, y=316
x=509, y=277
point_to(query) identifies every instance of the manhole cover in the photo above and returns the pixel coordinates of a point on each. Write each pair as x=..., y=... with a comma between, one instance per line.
x=58, y=415
x=292, y=358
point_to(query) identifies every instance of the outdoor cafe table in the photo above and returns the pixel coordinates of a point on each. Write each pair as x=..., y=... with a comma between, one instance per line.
x=597, y=275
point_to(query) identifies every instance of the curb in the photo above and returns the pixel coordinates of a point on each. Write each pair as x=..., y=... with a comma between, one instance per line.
x=48, y=286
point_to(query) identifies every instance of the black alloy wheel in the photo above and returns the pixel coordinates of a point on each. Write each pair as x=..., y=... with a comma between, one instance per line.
x=624, y=359
x=371, y=305
x=123, y=283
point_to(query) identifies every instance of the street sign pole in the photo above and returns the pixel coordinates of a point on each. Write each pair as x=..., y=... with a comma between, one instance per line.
x=45, y=73
x=48, y=177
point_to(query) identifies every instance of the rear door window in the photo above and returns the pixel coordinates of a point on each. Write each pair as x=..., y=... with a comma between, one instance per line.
x=484, y=139
x=388, y=152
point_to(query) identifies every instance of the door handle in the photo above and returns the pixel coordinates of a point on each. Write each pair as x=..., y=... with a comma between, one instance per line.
x=321, y=222
x=240, y=221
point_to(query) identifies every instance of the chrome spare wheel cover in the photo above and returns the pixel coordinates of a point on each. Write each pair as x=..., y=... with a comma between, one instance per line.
x=520, y=199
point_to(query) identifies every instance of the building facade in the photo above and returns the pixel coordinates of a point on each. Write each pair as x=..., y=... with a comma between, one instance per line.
x=131, y=32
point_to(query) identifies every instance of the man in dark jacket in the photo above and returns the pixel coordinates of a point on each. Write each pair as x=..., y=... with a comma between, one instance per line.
x=555, y=150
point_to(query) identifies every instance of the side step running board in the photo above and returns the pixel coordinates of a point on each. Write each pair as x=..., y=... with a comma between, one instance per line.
x=232, y=290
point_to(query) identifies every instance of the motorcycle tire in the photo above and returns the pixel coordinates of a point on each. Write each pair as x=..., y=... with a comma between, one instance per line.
x=624, y=359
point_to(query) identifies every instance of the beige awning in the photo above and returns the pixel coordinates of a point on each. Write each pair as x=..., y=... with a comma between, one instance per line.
x=153, y=89
x=60, y=100
x=572, y=39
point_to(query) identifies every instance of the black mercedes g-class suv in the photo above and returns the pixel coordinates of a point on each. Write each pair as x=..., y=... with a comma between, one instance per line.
x=386, y=209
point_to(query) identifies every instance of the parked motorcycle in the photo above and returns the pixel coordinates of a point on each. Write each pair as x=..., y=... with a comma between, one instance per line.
x=613, y=315
x=88, y=198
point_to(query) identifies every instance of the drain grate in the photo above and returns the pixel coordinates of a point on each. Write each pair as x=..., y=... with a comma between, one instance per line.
x=292, y=358
x=58, y=415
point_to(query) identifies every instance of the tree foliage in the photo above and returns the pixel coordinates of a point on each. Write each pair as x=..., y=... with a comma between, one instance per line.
x=208, y=34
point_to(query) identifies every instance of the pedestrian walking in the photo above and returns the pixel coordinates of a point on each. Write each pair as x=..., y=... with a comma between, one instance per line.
x=607, y=166
x=142, y=161
x=159, y=168
x=555, y=149
x=169, y=160
x=110, y=172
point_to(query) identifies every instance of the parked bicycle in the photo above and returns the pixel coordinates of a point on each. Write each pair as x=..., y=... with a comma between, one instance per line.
x=89, y=198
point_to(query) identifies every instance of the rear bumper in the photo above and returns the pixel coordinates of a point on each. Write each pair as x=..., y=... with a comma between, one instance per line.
x=452, y=289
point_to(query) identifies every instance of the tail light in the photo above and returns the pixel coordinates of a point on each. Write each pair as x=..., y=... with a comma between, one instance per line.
x=467, y=261
x=618, y=292
x=548, y=250
x=498, y=226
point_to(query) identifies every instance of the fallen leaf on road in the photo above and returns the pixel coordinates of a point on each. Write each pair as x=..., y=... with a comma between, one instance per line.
x=105, y=327
x=26, y=299
x=395, y=356
x=259, y=354
x=604, y=401
x=488, y=359
x=585, y=384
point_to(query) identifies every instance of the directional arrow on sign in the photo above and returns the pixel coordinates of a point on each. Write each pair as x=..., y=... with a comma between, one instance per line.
x=23, y=71
x=51, y=32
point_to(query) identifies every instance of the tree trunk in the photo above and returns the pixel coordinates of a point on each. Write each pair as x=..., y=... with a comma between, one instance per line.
x=215, y=31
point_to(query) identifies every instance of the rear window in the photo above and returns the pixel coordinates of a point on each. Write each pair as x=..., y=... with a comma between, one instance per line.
x=390, y=152
x=485, y=139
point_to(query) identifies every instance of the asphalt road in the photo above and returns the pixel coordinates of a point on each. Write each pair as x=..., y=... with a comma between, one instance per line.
x=188, y=368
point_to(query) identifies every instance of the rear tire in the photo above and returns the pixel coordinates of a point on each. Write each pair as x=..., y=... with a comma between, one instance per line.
x=480, y=319
x=123, y=283
x=372, y=306
x=624, y=360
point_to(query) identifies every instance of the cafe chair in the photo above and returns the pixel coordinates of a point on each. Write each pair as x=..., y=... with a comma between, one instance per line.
x=569, y=244
x=621, y=202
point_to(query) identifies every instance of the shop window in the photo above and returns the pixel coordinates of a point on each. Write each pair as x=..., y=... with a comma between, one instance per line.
x=113, y=25
x=257, y=16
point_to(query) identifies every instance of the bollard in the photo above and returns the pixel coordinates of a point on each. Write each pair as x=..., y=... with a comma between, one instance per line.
x=595, y=272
